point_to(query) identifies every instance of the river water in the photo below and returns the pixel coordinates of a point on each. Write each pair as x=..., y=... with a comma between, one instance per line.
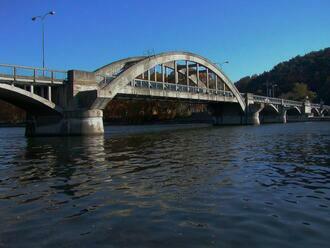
x=178, y=185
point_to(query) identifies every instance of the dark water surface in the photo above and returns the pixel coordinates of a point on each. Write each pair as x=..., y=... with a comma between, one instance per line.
x=168, y=186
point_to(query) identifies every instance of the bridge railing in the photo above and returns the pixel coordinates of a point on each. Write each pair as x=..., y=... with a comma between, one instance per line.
x=292, y=103
x=315, y=105
x=272, y=100
x=264, y=99
x=26, y=74
x=178, y=87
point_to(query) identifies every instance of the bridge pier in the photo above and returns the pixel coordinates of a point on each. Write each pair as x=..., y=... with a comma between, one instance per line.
x=253, y=113
x=283, y=116
x=82, y=122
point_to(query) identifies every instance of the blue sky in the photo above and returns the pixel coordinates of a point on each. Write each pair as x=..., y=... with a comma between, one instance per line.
x=253, y=35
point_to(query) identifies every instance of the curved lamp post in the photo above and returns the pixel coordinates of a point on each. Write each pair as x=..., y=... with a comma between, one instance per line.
x=221, y=63
x=42, y=18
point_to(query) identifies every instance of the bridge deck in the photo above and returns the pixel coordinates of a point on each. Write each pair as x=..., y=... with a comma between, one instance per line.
x=177, y=91
x=31, y=75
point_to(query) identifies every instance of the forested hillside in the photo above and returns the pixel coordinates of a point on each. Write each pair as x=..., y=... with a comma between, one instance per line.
x=294, y=79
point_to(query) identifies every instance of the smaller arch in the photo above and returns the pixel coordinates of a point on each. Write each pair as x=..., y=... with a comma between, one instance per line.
x=31, y=103
x=271, y=108
x=325, y=112
x=293, y=111
x=269, y=114
x=315, y=112
x=293, y=114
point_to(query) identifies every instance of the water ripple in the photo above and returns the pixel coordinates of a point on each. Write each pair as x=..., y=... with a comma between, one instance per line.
x=182, y=185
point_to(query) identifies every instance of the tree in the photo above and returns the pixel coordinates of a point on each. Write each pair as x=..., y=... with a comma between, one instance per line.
x=299, y=92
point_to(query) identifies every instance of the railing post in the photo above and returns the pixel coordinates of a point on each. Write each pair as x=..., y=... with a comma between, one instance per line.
x=34, y=75
x=15, y=73
x=52, y=76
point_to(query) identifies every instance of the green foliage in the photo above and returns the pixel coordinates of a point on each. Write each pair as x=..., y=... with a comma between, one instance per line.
x=299, y=93
x=312, y=69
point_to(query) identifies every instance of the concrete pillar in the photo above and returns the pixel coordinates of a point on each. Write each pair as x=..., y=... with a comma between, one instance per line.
x=71, y=123
x=32, y=89
x=283, y=116
x=307, y=108
x=253, y=113
x=255, y=120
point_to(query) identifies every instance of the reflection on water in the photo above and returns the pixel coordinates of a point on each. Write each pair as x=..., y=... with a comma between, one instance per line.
x=182, y=185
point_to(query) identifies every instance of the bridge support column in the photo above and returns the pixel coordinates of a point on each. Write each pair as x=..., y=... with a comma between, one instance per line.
x=253, y=112
x=79, y=122
x=283, y=116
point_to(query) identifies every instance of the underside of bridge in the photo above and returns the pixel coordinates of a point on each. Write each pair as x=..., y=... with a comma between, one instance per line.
x=294, y=115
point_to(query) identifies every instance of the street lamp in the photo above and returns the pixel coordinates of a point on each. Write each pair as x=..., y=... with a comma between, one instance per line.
x=273, y=87
x=42, y=18
x=221, y=63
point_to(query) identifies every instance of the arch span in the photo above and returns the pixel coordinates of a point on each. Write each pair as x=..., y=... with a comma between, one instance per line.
x=293, y=111
x=325, y=112
x=28, y=101
x=269, y=114
x=270, y=108
x=315, y=112
x=142, y=65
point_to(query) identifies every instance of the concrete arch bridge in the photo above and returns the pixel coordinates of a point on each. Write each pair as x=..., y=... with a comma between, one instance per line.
x=72, y=102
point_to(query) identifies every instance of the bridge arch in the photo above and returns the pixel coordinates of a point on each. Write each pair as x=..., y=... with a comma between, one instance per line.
x=269, y=114
x=325, y=112
x=315, y=112
x=31, y=103
x=293, y=111
x=140, y=65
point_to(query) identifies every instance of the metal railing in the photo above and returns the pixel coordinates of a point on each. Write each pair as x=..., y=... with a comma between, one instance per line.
x=315, y=105
x=27, y=74
x=272, y=100
x=264, y=99
x=178, y=87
